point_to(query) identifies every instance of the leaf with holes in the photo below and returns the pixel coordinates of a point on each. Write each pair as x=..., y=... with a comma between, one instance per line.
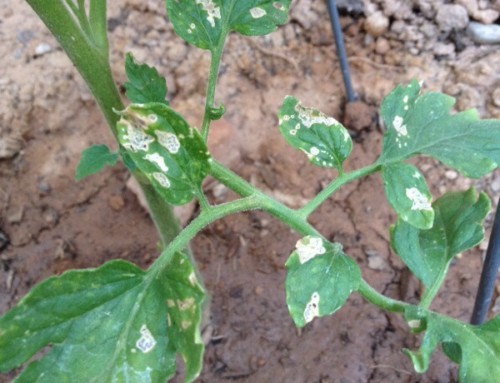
x=422, y=124
x=144, y=83
x=475, y=348
x=172, y=155
x=116, y=323
x=320, y=278
x=206, y=23
x=93, y=160
x=408, y=194
x=458, y=226
x=323, y=139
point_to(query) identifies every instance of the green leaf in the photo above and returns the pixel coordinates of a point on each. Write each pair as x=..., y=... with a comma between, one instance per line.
x=206, y=23
x=408, y=194
x=475, y=348
x=160, y=142
x=93, y=160
x=111, y=324
x=458, y=226
x=144, y=83
x=323, y=139
x=421, y=124
x=320, y=278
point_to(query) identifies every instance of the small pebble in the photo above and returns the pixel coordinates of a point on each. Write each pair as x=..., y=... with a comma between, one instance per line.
x=382, y=46
x=42, y=49
x=484, y=34
x=375, y=261
x=51, y=216
x=16, y=216
x=376, y=24
x=116, y=202
x=451, y=174
x=495, y=184
x=44, y=187
x=452, y=17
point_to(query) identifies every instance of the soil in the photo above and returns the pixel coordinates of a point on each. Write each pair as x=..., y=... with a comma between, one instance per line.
x=50, y=223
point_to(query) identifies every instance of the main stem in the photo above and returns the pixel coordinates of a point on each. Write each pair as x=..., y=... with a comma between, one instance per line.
x=91, y=60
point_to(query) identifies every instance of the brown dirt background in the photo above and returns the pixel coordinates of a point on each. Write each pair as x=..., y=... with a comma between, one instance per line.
x=50, y=223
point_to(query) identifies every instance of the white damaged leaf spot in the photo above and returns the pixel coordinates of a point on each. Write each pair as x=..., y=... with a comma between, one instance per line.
x=136, y=139
x=347, y=137
x=314, y=151
x=186, y=304
x=169, y=141
x=192, y=279
x=146, y=342
x=213, y=12
x=418, y=199
x=309, y=117
x=309, y=247
x=257, y=12
x=399, y=126
x=312, y=308
x=158, y=160
x=278, y=6
x=414, y=323
x=162, y=179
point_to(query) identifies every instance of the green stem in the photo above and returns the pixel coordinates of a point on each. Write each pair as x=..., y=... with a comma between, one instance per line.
x=341, y=180
x=381, y=301
x=91, y=60
x=215, y=60
x=298, y=223
x=268, y=204
x=430, y=293
x=205, y=218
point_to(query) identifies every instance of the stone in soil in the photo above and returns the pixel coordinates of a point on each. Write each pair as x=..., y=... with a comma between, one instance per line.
x=484, y=34
x=376, y=24
x=452, y=17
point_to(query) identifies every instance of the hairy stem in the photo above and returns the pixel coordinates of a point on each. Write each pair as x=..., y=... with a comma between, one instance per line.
x=341, y=180
x=215, y=60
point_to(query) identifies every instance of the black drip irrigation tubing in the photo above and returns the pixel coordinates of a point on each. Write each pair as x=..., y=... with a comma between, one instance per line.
x=489, y=274
x=492, y=260
x=339, y=42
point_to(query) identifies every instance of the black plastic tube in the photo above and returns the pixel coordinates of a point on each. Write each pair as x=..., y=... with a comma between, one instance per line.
x=339, y=42
x=488, y=275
